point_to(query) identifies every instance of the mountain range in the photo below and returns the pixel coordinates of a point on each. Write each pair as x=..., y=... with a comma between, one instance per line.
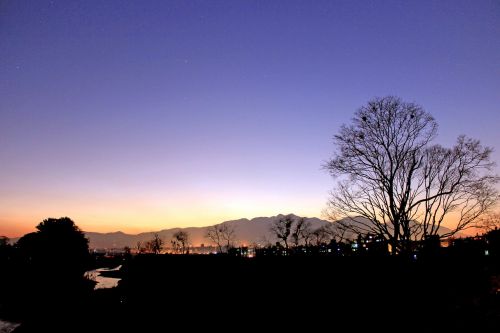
x=256, y=230
x=253, y=231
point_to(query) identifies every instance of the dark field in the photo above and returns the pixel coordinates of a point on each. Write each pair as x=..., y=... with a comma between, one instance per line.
x=171, y=292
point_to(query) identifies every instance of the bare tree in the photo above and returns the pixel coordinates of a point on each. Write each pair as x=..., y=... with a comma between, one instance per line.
x=301, y=232
x=180, y=242
x=307, y=235
x=215, y=235
x=490, y=222
x=403, y=186
x=154, y=245
x=223, y=235
x=282, y=228
x=139, y=246
x=327, y=233
x=320, y=236
x=336, y=232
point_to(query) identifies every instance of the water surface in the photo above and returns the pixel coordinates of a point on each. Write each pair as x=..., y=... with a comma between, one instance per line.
x=102, y=281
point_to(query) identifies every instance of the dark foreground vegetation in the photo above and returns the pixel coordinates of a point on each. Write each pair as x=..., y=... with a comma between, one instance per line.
x=442, y=292
x=43, y=286
x=321, y=291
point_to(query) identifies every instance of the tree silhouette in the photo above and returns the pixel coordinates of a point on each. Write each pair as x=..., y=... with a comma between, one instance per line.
x=180, y=242
x=5, y=249
x=223, y=235
x=53, y=263
x=4, y=241
x=327, y=233
x=301, y=232
x=58, y=245
x=154, y=245
x=401, y=184
x=282, y=228
x=139, y=247
x=490, y=221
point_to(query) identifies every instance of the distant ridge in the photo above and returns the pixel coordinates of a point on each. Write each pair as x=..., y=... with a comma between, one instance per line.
x=253, y=231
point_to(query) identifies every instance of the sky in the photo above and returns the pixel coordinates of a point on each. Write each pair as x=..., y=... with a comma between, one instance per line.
x=146, y=115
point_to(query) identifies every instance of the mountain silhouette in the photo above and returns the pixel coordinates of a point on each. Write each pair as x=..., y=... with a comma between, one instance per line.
x=248, y=232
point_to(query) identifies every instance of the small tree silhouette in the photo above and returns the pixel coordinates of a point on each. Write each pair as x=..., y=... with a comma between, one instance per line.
x=154, y=245
x=180, y=242
x=301, y=232
x=282, y=229
x=4, y=241
x=223, y=235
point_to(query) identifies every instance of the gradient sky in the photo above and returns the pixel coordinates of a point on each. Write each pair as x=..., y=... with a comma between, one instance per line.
x=145, y=115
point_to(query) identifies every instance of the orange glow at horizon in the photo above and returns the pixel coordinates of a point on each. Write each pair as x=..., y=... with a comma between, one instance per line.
x=147, y=211
x=134, y=216
x=17, y=226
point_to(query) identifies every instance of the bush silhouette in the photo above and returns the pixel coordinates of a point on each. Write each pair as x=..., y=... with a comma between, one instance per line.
x=53, y=262
x=58, y=245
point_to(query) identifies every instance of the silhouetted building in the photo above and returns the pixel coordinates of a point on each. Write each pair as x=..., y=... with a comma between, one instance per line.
x=469, y=247
x=493, y=242
x=369, y=245
x=242, y=251
x=431, y=246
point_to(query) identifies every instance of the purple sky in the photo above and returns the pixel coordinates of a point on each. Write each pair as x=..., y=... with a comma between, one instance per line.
x=144, y=115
